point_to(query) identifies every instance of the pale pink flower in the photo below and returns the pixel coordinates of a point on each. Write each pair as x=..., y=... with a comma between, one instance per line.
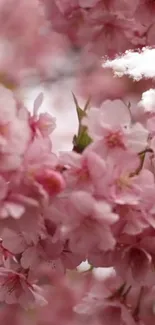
x=78, y=169
x=13, y=241
x=39, y=153
x=122, y=184
x=45, y=251
x=38, y=173
x=103, y=301
x=132, y=220
x=15, y=204
x=132, y=259
x=15, y=288
x=112, y=126
x=135, y=265
x=43, y=123
x=25, y=219
x=88, y=224
x=70, y=260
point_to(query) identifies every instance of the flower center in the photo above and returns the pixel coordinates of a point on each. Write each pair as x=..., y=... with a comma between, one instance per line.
x=115, y=139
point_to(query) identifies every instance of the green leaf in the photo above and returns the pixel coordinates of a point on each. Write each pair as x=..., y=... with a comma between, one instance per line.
x=81, y=142
x=80, y=112
x=87, y=105
x=82, y=139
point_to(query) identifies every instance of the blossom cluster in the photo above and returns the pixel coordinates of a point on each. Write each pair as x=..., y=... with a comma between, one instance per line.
x=105, y=27
x=95, y=203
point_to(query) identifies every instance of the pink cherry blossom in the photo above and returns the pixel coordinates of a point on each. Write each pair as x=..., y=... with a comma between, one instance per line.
x=92, y=220
x=94, y=203
x=43, y=123
x=79, y=169
x=118, y=181
x=103, y=301
x=16, y=288
x=115, y=129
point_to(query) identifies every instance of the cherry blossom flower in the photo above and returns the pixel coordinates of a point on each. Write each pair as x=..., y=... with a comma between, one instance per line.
x=16, y=288
x=92, y=220
x=116, y=129
x=43, y=123
x=95, y=204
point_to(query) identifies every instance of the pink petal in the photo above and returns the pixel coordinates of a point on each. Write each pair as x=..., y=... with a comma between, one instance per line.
x=15, y=210
x=37, y=103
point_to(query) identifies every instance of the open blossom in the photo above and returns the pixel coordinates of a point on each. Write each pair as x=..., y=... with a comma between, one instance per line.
x=112, y=126
x=43, y=123
x=118, y=180
x=92, y=220
x=39, y=169
x=16, y=288
x=81, y=169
